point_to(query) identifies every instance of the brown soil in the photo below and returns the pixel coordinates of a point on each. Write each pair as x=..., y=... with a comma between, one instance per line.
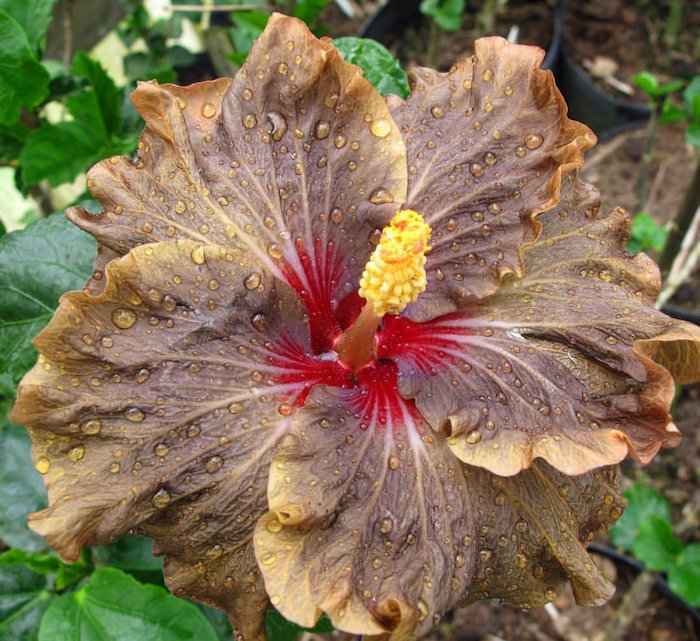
x=631, y=33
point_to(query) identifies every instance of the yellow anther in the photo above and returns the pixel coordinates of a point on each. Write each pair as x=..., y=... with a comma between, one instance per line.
x=395, y=274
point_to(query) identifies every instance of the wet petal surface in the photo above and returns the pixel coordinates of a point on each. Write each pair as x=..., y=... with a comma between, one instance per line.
x=156, y=406
x=549, y=367
x=487, y=144
x=297, y=157
x=375, y=522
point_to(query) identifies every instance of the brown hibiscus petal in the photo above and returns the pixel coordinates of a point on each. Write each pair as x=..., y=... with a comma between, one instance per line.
x=156, y=406
x=297, y=156
x=487, y=144
x=554, y=365
x=381, y=527
x=533, y=528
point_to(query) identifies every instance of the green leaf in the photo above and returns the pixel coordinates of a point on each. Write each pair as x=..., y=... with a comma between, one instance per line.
x=692, y=135
x=34, y=16
x=115, y=607
x=691, y=97
x=646, y=234
x=24, y=597
x=101, y=105
x=249, y=25
x=129, y=553
x=277, y=628
x=219, y=621
x=684, y=576
x=59, y=152
x=643, y=502
x=655, y=544
x=37, y=264
x=379, y=66
x=647, y=82
x=309, y=10
x=446, y=13
x=671, y=113
x=23, y=81
x=47, y=564
x=21, y=489
x=12, y=140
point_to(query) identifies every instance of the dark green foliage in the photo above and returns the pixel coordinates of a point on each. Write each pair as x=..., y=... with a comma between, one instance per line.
x=645, y=529
x=379, y=66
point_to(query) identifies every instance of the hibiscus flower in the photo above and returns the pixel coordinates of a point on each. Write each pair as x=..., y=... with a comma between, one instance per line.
x=342, y=354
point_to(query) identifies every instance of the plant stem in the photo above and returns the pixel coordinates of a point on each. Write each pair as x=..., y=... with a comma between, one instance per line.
x=67, y=35
x=633, y=602
x=681, y=222
x=640, y=191
x=431, y=54
x=673, y=24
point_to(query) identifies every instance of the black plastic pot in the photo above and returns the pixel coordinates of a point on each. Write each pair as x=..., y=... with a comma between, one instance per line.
x=603, y=113
x=395, y=14
x=659, y=582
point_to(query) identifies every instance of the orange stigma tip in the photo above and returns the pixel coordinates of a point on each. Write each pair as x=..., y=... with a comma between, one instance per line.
x=395, y=274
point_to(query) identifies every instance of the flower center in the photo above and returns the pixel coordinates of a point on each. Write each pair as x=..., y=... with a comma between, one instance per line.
x=393, y=277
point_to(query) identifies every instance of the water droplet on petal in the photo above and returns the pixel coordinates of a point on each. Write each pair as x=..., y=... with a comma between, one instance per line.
x=380, y=196
x=393, y=462
x=473, y=437
x=274, y=526
x=213, y=464
x=114, y=468
x=340, y=141
x=249, y=120
x=169, y=303
x=278, y=125
x=123, y=318
x=380, y=127
x=197, y=255
x=161, y=449
x=322, y=129
x=269, y=558
x=259, y=322
x=91, y=426
x=282, y=68
x=252, y=281
x=208, y=110
x=386, y=525
x=533, y=141
x=161, y=498
x=134, y=414
x=476, y=169
x=42, y=465
x=76, y=453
